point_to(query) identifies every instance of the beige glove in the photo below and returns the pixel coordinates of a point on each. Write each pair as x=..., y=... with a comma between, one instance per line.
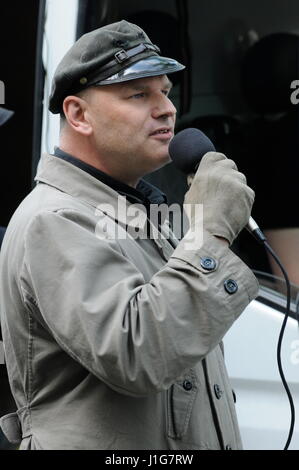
x=226, y=198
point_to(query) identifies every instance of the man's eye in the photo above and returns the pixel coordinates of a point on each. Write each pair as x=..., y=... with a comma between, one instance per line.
x=138, y=96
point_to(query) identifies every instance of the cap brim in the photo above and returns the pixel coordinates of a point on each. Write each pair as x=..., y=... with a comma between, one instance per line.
x=148, y=67
x=5, y=114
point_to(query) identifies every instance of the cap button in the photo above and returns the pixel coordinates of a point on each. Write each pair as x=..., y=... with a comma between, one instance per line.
x=83, y=80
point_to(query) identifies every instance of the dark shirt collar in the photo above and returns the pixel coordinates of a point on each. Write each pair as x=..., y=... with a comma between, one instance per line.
x=145, y=193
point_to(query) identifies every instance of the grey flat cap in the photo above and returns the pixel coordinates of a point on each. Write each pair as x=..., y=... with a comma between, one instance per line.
x=112, y=54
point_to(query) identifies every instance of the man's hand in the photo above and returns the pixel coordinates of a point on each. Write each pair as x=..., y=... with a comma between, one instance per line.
x=226, y=198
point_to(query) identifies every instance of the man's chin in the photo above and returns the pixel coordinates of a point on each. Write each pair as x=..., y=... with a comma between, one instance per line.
x=161, y=163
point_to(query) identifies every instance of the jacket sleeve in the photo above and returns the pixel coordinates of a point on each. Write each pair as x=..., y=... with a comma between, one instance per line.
x=136, y=336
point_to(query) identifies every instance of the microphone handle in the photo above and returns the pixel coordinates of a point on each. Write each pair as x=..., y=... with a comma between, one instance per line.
x=254, y=229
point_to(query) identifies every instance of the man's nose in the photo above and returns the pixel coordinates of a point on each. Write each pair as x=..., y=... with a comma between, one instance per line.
x=164, y=108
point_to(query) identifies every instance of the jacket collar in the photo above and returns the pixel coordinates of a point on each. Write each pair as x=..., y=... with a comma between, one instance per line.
x=145, y=193
x=70, y=179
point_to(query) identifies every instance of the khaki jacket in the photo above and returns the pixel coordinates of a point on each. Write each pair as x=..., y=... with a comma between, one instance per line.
x=113, y=343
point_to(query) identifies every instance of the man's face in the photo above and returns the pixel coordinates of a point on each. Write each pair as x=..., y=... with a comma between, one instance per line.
x=133, y=123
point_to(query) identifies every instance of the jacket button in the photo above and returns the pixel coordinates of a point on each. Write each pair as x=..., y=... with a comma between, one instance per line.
x=230, y=286
x=218, y=391
x=208, y=263
x=187, y=385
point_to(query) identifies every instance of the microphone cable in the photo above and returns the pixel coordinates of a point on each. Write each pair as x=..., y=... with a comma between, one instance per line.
x=262, y=239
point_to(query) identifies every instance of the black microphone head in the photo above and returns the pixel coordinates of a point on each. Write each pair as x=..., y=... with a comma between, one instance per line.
x=188, y=147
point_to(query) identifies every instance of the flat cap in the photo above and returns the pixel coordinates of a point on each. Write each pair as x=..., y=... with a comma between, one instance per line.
x=115, y=53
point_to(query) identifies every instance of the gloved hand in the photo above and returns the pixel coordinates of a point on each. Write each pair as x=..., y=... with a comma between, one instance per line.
x=226, y=198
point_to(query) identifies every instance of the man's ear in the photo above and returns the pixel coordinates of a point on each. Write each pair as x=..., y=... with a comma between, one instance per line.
x=74, y=109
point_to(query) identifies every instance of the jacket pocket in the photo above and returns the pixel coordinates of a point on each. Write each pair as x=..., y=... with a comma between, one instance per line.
x=180, y=400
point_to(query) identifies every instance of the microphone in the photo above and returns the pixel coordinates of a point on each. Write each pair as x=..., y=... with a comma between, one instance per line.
x=186, y=150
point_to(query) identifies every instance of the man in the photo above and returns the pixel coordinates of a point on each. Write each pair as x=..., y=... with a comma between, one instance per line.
x=112, y=341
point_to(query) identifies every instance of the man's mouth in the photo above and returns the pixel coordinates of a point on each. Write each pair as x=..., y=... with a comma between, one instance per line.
x=165, y=132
